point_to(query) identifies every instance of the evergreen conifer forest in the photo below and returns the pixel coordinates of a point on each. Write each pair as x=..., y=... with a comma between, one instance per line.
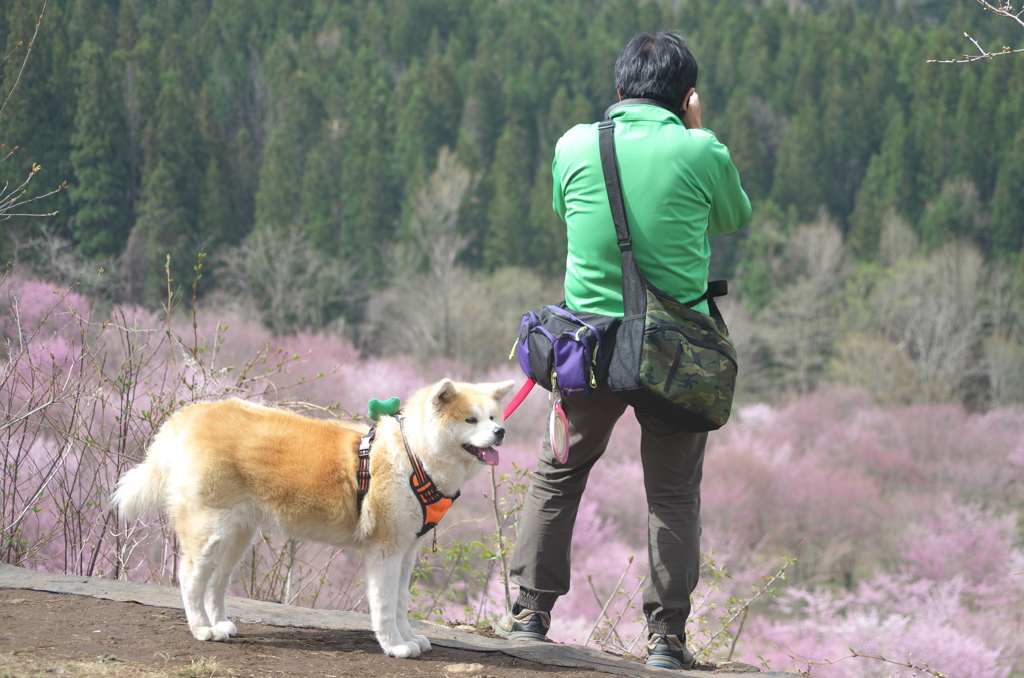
x=243, y=128
x=317, y=203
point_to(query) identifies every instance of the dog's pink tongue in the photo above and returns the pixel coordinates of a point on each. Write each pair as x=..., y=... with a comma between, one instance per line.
x=489, y=455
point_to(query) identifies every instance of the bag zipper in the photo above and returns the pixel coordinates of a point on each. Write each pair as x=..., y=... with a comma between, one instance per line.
x=672, y=328
x=593, y=354
x=675, y=367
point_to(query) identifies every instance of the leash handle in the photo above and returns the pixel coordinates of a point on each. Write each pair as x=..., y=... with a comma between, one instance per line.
x=519, y=398
x=558, y=430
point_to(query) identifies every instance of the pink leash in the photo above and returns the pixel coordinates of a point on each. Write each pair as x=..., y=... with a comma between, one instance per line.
x=557, y=422
x=519, y=398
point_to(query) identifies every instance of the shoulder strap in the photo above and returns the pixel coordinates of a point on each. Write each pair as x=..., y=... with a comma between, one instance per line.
x=634, y=296
x=716, y=288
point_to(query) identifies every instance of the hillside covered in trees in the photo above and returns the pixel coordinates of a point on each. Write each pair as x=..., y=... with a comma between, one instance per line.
x=327, y=144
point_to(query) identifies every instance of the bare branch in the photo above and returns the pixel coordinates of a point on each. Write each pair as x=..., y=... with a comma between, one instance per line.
x=758, y=592
x=602, y=615
x=31, y=42
x=1004, y=10
x=976, y=57
x=914, y=666
x=10, y=200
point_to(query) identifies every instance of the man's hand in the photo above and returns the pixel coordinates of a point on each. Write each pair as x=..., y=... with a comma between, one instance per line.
x=691, y=116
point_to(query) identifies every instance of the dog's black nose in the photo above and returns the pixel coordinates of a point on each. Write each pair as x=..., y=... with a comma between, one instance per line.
x=499, y=433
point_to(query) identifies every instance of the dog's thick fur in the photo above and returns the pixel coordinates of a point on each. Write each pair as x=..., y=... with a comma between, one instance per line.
x=223, y=470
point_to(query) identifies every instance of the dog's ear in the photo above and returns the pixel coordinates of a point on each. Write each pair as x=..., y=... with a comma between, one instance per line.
x=443, y=393
x=501, y=389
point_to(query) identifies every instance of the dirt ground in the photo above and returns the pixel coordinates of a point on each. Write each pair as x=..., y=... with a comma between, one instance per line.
x=49, y=633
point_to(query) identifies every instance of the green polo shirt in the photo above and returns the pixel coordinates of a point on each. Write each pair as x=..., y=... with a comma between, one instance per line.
x=678, y=185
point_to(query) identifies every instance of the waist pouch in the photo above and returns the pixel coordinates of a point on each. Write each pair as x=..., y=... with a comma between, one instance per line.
x=563, y=350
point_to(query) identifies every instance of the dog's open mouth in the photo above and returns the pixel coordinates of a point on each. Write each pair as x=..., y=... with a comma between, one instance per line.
x=487, y=455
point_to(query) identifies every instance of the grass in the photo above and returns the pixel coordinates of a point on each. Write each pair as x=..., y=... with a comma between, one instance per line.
x=200, y=668
x=104, y=666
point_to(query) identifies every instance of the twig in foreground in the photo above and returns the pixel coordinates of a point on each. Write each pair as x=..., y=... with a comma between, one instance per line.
x=601, y=616
x=914, y=666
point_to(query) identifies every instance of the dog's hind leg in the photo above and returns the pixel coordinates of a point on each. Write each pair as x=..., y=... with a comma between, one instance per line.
x=402, y=613
x=192, y=593
x=203, y=539
x=229, y=551
x=383, y=578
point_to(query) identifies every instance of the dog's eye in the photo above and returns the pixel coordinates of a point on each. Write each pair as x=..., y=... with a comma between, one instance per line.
x=471, y=420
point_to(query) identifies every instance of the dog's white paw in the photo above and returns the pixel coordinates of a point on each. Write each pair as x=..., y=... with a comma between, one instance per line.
x=423, y=642
x=404, y=651
x=227, y=627
x=214, y=633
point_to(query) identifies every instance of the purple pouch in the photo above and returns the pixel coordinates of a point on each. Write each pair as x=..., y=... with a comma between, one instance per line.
x=574, y=352
x=572, y=365
x=558, y=350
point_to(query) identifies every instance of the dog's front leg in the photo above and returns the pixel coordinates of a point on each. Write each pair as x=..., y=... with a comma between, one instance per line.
x=408, y=563
x=383, y=572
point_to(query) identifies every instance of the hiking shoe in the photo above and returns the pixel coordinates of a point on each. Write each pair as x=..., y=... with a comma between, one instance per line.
x=524, y=624
x=668, y=652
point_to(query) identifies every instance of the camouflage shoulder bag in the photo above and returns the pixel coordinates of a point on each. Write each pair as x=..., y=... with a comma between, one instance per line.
x=669, y=360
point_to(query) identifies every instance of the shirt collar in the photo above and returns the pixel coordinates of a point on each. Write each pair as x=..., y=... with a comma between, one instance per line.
x=642, y=109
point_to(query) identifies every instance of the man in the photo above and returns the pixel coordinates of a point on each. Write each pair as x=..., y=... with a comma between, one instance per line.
x=679, y=184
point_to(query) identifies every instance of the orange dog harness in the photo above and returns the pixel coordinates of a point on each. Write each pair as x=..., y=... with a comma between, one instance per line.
x=433, y=504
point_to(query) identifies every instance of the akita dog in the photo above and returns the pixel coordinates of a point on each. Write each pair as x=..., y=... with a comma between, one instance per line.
x=223, y=470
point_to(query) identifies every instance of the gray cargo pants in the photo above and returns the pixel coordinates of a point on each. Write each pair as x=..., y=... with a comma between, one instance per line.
x=673, y=464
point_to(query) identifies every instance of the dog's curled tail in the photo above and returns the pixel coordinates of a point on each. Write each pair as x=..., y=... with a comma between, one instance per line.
x=143, y=489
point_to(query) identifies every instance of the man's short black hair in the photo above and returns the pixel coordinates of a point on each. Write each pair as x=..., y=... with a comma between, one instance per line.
x=656, y=66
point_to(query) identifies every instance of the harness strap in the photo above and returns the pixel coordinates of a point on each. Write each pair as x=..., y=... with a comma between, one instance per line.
x=433, y=504
x=363, y=474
